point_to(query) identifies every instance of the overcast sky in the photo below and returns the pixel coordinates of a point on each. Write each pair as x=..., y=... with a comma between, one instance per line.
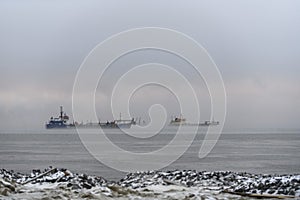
x=254, y=43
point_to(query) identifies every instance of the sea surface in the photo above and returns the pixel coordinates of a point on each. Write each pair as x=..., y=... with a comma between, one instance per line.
x=269, y=151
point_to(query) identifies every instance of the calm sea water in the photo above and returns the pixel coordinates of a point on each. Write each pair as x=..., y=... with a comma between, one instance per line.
x=263, y=151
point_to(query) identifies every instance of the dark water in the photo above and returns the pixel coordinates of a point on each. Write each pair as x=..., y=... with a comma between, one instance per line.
x=265, y=151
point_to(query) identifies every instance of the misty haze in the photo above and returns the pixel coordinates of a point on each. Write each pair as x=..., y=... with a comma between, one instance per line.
x=188, y=135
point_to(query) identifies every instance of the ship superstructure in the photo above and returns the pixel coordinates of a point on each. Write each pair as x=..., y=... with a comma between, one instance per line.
x=58, y=122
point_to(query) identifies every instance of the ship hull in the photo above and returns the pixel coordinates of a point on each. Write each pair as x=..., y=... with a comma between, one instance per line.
x=54, y=126
x=193, y=124
x=103, y=126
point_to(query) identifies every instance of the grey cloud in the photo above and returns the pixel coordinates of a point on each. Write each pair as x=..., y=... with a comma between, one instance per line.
x=255, y=44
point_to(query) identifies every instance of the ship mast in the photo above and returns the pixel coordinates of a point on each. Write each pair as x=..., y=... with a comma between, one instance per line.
x=61, y=112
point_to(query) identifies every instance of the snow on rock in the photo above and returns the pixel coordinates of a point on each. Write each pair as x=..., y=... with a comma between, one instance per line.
x=177, y=184
x=222, y=180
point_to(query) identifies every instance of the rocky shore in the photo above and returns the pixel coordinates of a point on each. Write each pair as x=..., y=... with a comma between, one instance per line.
x=53, y=183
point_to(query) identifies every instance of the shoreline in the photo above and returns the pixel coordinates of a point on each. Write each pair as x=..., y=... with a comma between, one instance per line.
x=176, y=184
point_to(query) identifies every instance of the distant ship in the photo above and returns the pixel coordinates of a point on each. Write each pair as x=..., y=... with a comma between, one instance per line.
x=58, y=122
x=180, y=121
x=62, y=122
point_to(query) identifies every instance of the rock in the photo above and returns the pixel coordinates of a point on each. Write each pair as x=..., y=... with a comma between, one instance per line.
x=191, y=195
x=4, y=191
x=189, y=184
x=241, y=190
x=86, y=186
x=7, y=184
x=292, y=193
x=75, y=187
x=271, y=191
